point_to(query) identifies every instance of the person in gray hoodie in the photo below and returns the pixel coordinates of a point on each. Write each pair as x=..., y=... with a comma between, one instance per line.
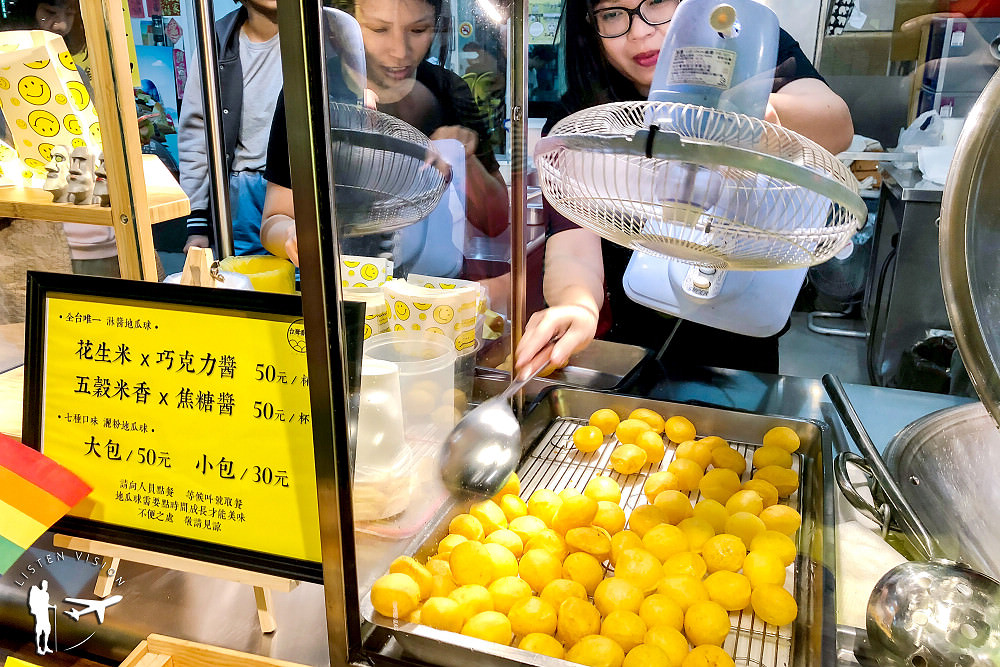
x=249, y=81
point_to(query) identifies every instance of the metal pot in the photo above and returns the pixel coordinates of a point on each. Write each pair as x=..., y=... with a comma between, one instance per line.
x=946, y=465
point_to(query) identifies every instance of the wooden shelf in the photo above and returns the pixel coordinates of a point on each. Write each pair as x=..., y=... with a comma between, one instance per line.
x=163, y=651
x=165, y=198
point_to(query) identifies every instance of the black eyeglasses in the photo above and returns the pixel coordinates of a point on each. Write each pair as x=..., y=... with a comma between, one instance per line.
x=611, y=22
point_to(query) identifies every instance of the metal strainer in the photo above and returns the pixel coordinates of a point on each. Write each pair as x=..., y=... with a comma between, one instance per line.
x=701, y=185
x=387, y=174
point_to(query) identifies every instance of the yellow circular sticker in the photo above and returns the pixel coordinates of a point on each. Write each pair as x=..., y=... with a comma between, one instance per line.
x=444, y=314
x=72, y=124
x=34, y=90
x=81, y=98
x=44, y=122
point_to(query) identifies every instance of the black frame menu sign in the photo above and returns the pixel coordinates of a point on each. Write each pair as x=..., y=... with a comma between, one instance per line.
x=188, y=412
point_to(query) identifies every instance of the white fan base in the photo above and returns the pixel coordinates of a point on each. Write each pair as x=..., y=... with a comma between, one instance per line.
x=753, y=303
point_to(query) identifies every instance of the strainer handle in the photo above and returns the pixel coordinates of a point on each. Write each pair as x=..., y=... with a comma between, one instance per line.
x=878, y=512
x=911, y=525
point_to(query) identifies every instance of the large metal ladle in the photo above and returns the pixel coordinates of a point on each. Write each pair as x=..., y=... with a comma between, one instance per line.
x=934, y=614
x=484, y=448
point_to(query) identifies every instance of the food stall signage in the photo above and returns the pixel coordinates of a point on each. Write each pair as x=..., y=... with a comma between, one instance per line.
x=190, y=421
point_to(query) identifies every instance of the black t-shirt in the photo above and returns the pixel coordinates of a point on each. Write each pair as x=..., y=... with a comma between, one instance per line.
x=636, y=324
x=440, y=98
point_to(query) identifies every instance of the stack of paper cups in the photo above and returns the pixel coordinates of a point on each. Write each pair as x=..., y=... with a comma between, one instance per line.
x=376, y=314
x=383, y=461
x=450, y=312
x=357, y=271
x=465, y=364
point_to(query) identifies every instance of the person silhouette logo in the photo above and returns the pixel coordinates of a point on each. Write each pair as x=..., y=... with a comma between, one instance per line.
x=38, y=606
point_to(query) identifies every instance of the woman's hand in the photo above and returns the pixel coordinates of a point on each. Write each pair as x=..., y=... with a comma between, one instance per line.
x=196, y=241
x=573, y=325
x=465, y=136
x=574, y=288
x=292, y=243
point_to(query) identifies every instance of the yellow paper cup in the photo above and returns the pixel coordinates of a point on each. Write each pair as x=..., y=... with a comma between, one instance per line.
x=267, y=273
x=358, y=271
x=450, y=312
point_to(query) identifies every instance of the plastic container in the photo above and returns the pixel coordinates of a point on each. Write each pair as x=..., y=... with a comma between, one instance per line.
x=426, y=362
x=718, y=54
x=266, y=272
x=383, y=459
x=465, y=373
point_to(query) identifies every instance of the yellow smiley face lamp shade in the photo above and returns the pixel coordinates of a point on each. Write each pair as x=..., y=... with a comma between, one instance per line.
x=43, y=98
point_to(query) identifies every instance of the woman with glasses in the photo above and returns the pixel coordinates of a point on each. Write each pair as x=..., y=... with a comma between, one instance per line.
x=612, y=47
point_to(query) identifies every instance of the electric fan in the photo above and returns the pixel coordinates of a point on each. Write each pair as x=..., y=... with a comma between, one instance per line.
x=387, y=175
x=709, y=197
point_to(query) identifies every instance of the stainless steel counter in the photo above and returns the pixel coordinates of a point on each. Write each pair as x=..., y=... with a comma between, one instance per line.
x=903, y=295
x=223, y=613
x=910, y=184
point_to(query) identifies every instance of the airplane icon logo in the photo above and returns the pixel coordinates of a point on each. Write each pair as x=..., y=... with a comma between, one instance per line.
x=98, y=607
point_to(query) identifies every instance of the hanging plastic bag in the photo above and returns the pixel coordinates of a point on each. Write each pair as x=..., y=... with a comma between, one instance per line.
x=43, y=98
x=925, y=130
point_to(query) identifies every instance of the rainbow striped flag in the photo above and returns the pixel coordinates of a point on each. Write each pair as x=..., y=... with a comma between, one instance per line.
x=35, y=492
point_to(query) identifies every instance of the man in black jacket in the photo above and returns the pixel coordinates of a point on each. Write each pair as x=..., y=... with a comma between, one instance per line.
x=249, y=80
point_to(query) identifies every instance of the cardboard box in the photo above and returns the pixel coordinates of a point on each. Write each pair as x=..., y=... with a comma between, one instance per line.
x=862, y=169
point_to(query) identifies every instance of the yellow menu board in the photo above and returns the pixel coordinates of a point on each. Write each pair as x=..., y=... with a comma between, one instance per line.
x=189, y=421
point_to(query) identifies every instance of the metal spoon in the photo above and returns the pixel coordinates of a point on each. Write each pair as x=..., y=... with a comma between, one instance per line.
x=934, y=614
x=484, y=448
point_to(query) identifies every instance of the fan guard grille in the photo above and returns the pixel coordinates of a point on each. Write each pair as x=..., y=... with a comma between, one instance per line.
x=384, y=179
x=733, y=191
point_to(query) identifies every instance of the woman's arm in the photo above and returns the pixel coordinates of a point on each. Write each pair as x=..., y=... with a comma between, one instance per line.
x=277, y=227
x=487, y=205
x=809, y=107
x=574, y=289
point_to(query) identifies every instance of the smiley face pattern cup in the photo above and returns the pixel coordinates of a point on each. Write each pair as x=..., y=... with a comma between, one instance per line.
x=43, y=99
x=451, y=312
x=482, y=302
x=358, y=271
x=376, y=313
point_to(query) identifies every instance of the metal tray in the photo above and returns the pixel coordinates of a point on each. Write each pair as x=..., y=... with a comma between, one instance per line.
x=603, y=365
x=554, y=463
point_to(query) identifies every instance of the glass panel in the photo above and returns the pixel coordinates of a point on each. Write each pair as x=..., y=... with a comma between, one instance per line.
x=51, y=147
x=418, y=106
x=37, y=245
x=894, y=60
